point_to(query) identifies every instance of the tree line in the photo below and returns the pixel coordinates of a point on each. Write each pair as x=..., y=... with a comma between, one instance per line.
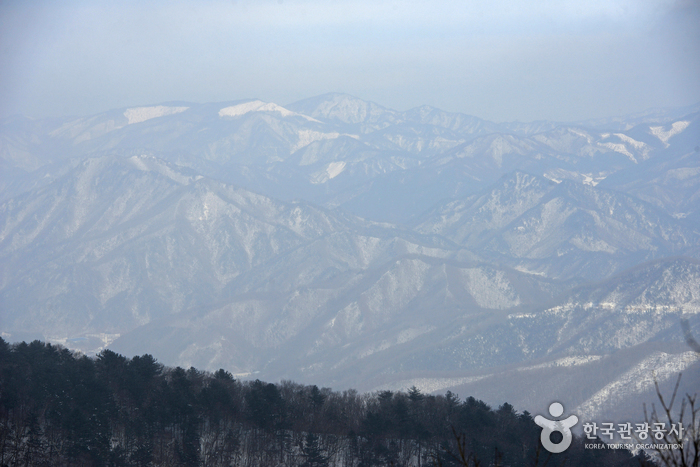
x=59, y=408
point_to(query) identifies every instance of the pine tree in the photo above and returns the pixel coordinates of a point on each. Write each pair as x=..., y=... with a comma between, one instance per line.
x=312, y=452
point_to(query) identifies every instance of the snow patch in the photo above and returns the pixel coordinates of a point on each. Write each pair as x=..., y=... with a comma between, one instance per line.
x=87, y=344
x=565, y=362
x=490, y=289
x=640, y=378
x=260, y=106
x=527, y=271
x=427, y=385
x=643, y=148
x=589, y=243
x=619, y=148
x=335, y=168
x=141, y=114
x=307, y=137
x=332, y=170
x=683, y=173
x=664, y=135
x=632, y=142
x=591, y=179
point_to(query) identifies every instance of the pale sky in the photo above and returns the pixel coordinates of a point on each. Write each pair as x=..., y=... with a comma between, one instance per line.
x=501, y=60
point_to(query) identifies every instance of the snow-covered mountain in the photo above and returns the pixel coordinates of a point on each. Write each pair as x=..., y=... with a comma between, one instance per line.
x=601, y=345
x=340, y=242
x=563, y=230
x=337, y=150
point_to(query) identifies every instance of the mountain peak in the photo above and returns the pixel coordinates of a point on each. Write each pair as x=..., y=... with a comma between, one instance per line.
x=344, y=108
x=259, y=106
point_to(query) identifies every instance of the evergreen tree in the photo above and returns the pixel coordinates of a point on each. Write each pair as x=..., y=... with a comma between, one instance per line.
x=313, y=454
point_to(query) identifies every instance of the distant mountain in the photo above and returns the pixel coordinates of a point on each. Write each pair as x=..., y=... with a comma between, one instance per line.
x=563, y=230
x=345, y=109
x=335, y=241
x=598, y=344
x=338, y=150
x=118, y=242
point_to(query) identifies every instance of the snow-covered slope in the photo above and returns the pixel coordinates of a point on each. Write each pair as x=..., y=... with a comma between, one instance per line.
x=340, y=242
x=563, y=230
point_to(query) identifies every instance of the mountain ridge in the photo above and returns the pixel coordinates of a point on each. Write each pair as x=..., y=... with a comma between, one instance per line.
x=339, y=242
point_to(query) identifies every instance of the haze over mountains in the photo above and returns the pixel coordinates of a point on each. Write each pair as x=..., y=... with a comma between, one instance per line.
x=338, y=242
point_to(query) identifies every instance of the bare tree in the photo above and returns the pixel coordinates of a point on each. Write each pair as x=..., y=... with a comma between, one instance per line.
x=685, y=438
x=463, y=458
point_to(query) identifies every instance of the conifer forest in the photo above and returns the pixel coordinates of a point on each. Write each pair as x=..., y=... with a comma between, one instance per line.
x=59, y=408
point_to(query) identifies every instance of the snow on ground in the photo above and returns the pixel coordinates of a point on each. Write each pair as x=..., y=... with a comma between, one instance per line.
x=307, y=137
x=141, y=114
x=335, y=168
x=592, y=179
x=428, y=385
x=525, y=270
x=88, y=344
x=664, y=135
x=259, y=106
x=660, y=366
x=331, y=171
x=566, y=361
x=620, y=148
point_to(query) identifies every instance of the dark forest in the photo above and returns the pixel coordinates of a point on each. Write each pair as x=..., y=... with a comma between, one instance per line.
x=59, y=408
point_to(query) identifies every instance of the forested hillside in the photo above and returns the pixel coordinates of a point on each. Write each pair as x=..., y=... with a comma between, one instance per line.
x=58, y=408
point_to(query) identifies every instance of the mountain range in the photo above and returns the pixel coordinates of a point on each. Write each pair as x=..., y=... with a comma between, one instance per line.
x=337, y=242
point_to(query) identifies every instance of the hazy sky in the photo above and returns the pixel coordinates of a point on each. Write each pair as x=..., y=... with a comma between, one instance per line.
x=497, y=59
